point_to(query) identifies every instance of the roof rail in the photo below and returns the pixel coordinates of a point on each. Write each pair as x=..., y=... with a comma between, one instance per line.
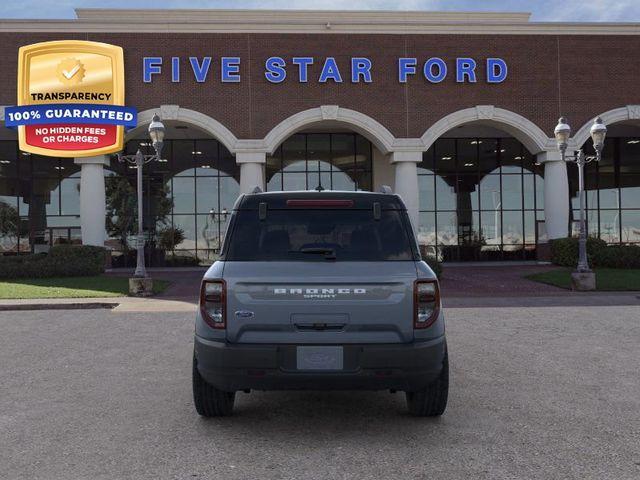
x=385, y=189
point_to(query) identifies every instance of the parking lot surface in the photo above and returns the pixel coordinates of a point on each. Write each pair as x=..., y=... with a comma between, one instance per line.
x=548, y=392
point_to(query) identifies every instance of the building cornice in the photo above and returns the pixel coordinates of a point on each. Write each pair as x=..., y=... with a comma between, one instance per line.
x=318, y=22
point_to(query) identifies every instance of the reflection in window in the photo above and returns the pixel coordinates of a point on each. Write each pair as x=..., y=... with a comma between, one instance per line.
x=479, y=199
x=612, y=191
x=329, y=161
x=201, y=179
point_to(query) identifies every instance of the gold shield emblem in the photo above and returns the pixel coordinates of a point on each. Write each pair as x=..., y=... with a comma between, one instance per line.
x=71, y=72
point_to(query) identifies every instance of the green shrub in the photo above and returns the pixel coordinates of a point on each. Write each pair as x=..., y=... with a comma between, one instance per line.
x=61, y=261
x=564, y=252
x=618, y=256
x=181, y=261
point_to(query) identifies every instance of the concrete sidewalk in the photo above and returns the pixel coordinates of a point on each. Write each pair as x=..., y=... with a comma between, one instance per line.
x=463, y=286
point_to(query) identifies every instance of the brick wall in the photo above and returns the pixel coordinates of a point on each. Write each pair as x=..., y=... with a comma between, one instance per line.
x=578, y=76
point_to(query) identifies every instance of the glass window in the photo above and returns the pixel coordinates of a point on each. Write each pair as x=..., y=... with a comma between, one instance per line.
x=183, y=157
x=490, y=197
x=229, y=193
x=512, y=228
x=630, y=190
x=631, y=226
x=467, y=154
x=427, y=229
x=319, y=152
x=339, y=180
x=445, y=156
x=629, y=155
x=488, y=156
x=511, y=155
x=491, y=224
x=445, y=194
x=609, y=225
x=188, y=224
x=310, y=235
x=8, y=159
x=274, y=183
x=207, y=195
x=426, y=188
x=70, y=196
x=294, y=154
x=183, y=190
x=512, y=192
x=528, y=192
x=447, y=228
x=426, y=166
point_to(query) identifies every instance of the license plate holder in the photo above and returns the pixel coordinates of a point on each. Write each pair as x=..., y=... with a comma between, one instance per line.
x=319, y=358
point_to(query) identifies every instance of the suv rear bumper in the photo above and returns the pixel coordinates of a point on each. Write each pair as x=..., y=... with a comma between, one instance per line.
x=231, y=367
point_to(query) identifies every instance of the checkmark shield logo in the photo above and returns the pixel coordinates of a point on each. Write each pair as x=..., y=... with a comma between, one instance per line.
x=70, y=71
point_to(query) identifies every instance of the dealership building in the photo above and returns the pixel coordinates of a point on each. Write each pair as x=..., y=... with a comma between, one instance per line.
x=454, y=111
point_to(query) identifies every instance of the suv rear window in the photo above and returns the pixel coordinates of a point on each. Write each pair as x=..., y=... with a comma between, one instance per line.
x=319, y=235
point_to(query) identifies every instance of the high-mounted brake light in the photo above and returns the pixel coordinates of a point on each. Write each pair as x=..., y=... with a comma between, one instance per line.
x=426, y=301
x=213, y=303
x=336, y=203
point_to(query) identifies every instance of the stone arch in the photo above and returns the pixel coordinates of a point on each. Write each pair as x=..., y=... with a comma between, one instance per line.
x=622, y=114
x=197, y=119
x=382, y=138
x=527, y=132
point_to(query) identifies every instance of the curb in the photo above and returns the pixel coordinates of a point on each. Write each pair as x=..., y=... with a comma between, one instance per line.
x=58, y=306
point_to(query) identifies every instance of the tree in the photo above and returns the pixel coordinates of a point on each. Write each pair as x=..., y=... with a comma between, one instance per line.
x=122, y=208
x=10, y=225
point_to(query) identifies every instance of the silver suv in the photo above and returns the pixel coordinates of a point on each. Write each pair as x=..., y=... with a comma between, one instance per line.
x=320, y=290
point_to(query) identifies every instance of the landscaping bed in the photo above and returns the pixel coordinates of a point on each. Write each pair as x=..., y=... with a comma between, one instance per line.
x=71, y=287
x=607, y=279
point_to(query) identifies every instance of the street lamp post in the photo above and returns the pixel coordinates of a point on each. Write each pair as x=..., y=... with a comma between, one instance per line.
x=156, y=133
x=583, y=278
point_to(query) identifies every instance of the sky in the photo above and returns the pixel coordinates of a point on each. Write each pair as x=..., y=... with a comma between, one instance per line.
x=542, y=10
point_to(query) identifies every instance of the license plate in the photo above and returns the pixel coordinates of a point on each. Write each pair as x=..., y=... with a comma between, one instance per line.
x=319, y=358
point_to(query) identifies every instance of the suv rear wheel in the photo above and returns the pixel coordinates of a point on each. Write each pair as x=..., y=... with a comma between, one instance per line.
x=432, y=401
x=209, y=401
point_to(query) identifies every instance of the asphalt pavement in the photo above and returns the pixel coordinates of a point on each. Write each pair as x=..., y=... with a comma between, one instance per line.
x=539, y=392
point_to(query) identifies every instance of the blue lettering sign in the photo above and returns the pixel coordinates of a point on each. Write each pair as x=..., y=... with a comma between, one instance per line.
x=330, y=71
x=428, y=70
x=465, y=67
x=175, y=69
x=303, y=64
x=230, y=69
x=200, y=71
x=151, y=66
x=406, y=66
x=496, y=70
x=360, y=67
x=275, y=69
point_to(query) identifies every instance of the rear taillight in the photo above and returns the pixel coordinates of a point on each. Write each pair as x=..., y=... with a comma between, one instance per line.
x=426, y=299
x=213, y=303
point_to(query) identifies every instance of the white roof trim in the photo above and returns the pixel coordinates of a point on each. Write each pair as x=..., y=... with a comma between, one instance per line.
x=311, y=21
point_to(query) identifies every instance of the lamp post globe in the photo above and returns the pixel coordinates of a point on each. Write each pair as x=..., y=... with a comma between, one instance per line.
x=598, y=133
x=562, y=133
x=156, y=133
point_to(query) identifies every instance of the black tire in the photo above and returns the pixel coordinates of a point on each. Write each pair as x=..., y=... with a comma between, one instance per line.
x=432, y=401
x=208, y=400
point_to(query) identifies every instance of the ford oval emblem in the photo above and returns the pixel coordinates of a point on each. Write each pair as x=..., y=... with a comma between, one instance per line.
x=244, y=314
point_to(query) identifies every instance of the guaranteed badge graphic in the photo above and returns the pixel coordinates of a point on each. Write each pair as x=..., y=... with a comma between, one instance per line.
x=71, y=99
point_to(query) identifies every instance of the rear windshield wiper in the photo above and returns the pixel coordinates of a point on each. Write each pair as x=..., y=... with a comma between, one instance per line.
x=329, y=253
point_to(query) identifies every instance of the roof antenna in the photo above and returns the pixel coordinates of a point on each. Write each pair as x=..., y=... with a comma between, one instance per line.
x=256, y=189
x=319, y=188
x=385, y=189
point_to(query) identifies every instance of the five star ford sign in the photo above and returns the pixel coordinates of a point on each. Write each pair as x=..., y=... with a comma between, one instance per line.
x=71, y=99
